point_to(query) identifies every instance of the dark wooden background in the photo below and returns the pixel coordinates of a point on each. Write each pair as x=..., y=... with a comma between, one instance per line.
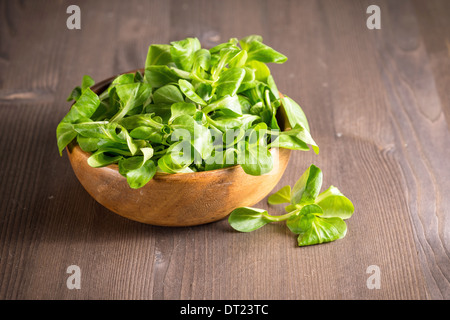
x=378, y=102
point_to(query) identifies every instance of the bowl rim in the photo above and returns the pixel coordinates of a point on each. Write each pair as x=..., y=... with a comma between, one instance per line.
x=97, y=87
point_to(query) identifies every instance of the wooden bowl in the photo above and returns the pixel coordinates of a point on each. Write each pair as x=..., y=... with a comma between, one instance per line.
x=182, y=199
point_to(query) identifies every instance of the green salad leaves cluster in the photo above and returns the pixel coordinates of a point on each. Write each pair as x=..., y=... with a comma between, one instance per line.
x=316, y=217
x=192, y=109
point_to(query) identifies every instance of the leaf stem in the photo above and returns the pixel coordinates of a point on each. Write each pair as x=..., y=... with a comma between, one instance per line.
x=280, y=217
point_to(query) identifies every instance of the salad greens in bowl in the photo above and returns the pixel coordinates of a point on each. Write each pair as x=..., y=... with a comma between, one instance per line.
x=187, y=139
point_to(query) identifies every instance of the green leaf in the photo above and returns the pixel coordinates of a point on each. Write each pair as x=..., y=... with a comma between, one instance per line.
x=89, y=144
x=65, y=133
x=187, y=128
x=319, y=230
x=259, y=51
x=183, y=52
x=77, y=91
x=202, y=142
x=161, y=110
x=248, y=39
x=296, y=139
x=100, y=130
x=221, y=158
x=178, y=158
x=221, y=60
x=245, y=219
x=139, y=177
x=294, y=113
x=138, y=77
x=131, y=95
x=289, y=142
x=226, y=123
x=158, y=54
x=202, y=59
x=92, y=144
x=204, y=91
x=335, y=204
x=299, y=223
x=249, y=80
x=157, y=76
x=273, y=87
x=188, y=89
x=281, y=196
x=139, y=120
x=262, y=72
x=182, y=108
x=108, y=131
x=307, y=188
x=138, y=170
x=253, y=154
x=147, y=133
x=167, y=94
x=229, y=81
x=125, y=78
x=101, y=158
x=229, y=105
x=84, y=108
x=239, y=59
x=75, y=94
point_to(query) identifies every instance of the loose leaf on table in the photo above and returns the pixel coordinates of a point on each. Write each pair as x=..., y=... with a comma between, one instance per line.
x=297, y=222
x=335, y=204
x=319, y=230
x=307, y=188
x=281, y=196
x=247, y=219
x=316, y=218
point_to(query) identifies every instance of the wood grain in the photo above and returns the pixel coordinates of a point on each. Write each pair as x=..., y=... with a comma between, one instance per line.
x=378, y=106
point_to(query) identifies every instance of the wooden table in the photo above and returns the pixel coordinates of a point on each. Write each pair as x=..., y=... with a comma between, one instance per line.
x=378, y=102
